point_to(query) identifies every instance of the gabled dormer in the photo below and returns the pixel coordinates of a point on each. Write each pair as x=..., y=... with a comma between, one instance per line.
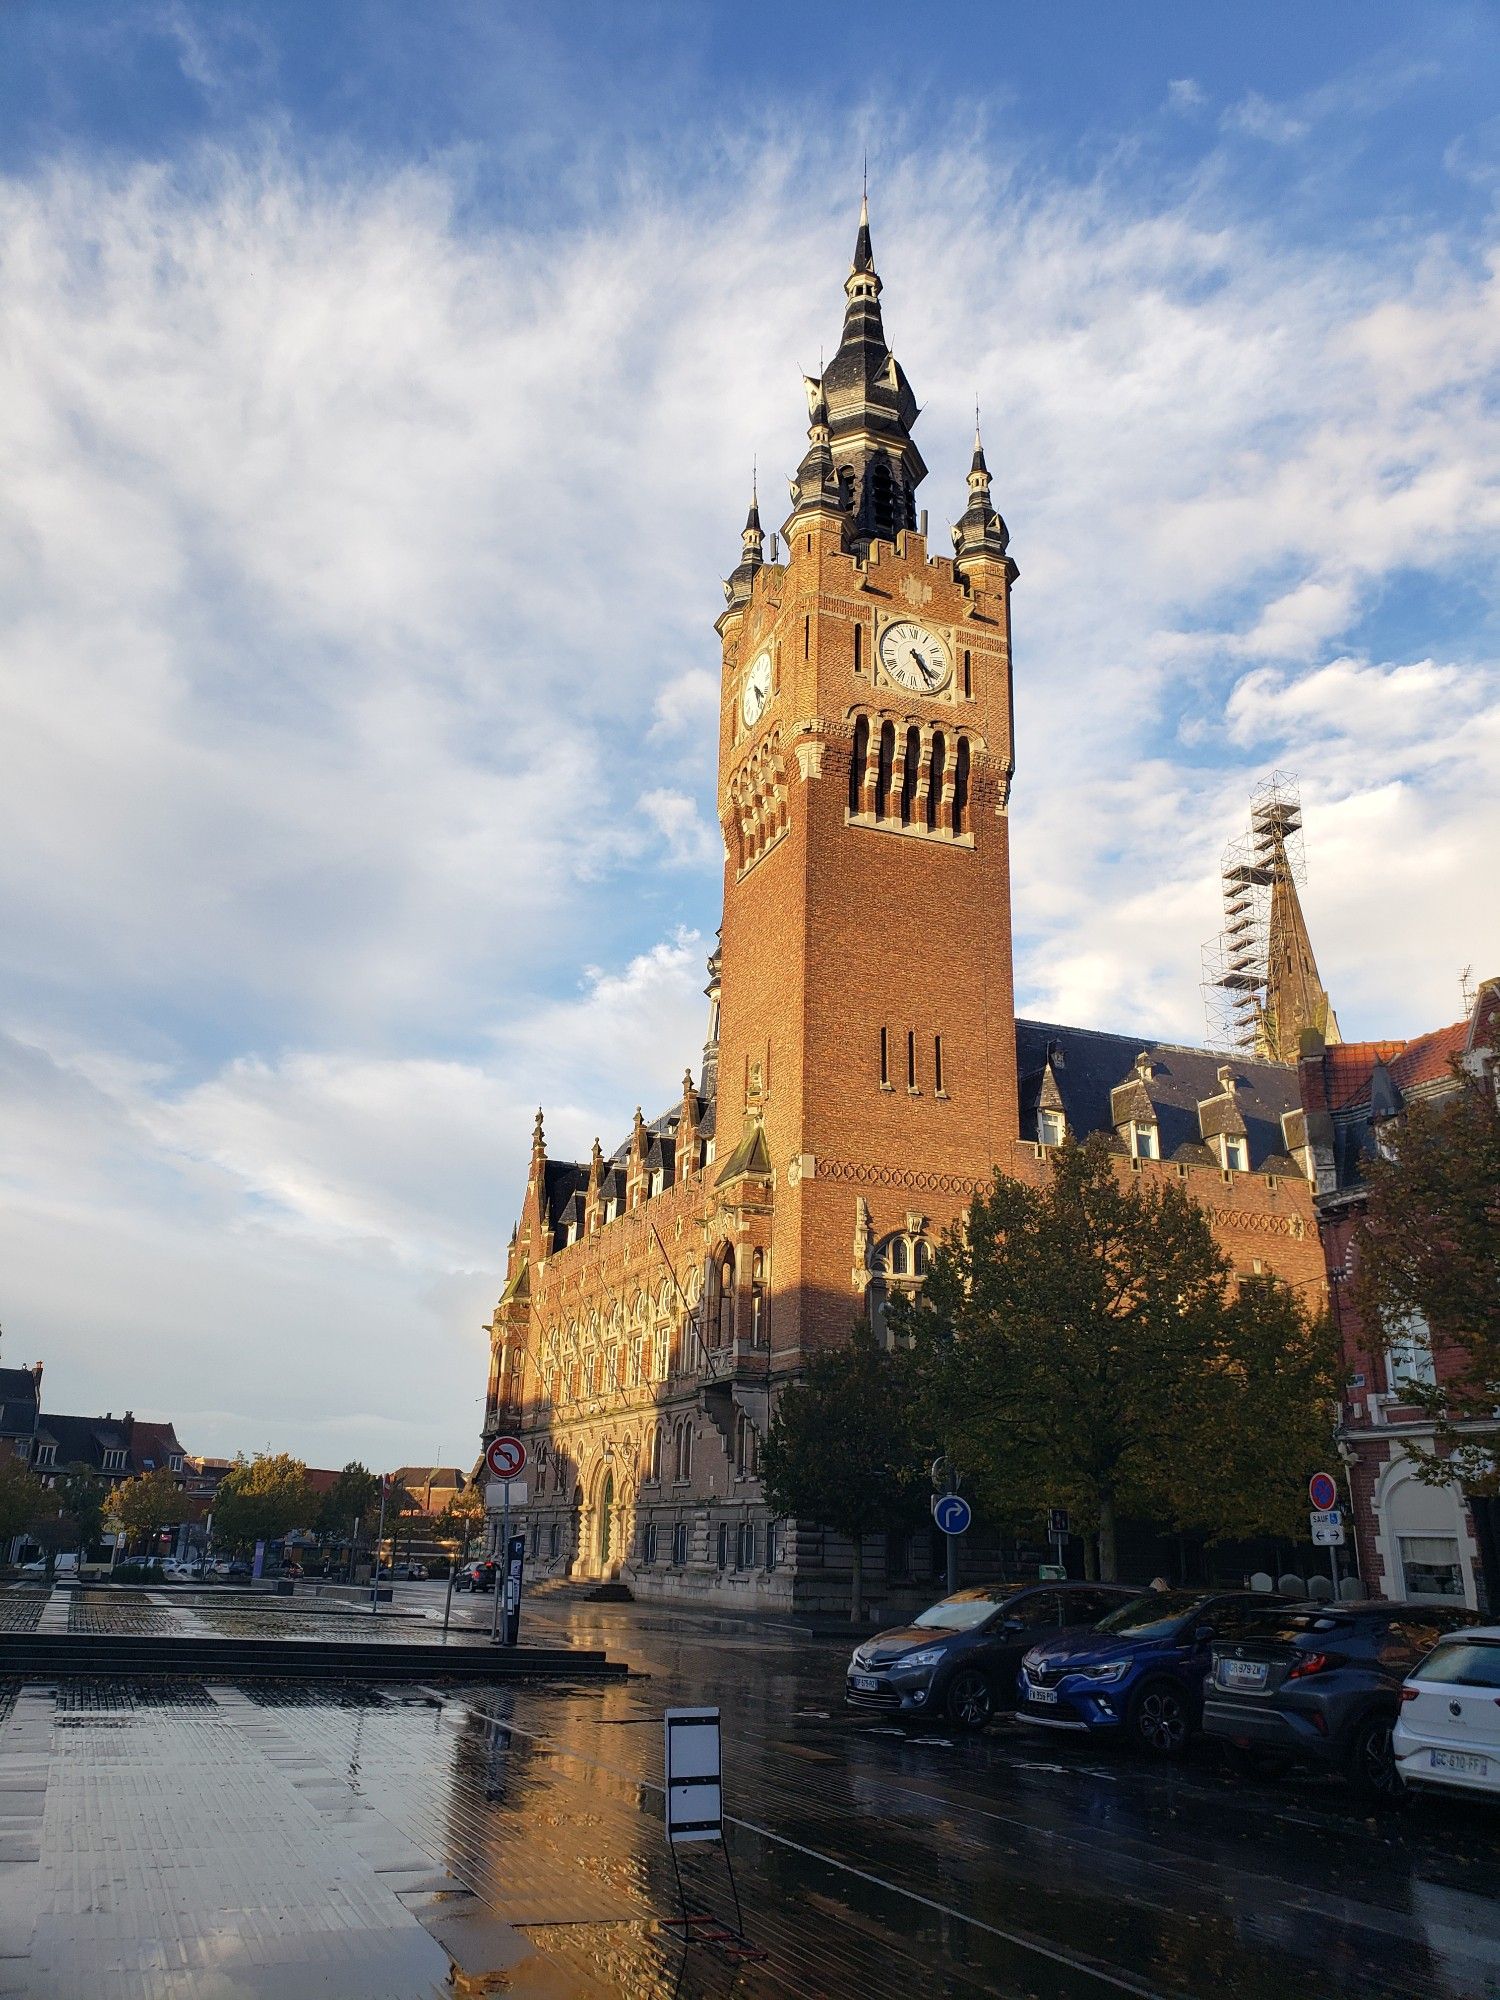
x=1133, y=1112
x=1222, y=1124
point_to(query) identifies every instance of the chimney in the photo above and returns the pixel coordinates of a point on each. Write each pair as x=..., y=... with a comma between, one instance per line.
x=1228, y=1082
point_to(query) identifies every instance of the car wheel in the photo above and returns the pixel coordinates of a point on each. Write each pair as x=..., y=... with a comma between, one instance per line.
x=970, y=1701
x=1161, y=1719
x=1371, y=1769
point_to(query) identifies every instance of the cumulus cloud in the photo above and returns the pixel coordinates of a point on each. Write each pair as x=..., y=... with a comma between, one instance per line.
x=359, y=563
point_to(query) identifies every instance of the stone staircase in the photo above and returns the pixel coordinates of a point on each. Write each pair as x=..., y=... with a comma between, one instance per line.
x=579, y=1590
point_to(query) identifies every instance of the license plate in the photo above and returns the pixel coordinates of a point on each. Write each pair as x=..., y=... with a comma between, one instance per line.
x=1242, y=1673
x=1046, y=1695
x=866, y=1683
x=1460, y=1760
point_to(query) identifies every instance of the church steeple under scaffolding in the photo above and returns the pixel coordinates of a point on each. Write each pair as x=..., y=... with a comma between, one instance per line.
x=1260, y=979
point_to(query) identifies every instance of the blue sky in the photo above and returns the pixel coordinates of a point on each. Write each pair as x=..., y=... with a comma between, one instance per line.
x=378, y=412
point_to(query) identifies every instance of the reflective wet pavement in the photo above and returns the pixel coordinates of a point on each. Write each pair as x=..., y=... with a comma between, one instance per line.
x=174, y=1840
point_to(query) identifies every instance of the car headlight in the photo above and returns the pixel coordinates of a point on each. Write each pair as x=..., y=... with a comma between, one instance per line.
x=1112, y=1670
x=929, y=1658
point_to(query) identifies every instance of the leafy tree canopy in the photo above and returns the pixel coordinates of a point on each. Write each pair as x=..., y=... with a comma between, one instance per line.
x=842, y=1450
x=354, y=1496
x=20, y=1495
x=262, y=1499
x=1428, y=1258
x=149, y=1501
x=1082, y=1344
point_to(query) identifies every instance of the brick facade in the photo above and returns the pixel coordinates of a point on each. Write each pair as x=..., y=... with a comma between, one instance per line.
x=865, y=1070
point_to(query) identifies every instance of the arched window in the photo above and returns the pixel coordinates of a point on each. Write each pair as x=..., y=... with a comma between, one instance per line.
x=654, y=1469
x=961, y=786
x=911, y=771
x=859, y=756
x=886, y=508
x=684, y=1450
x=897, y=1259
x=721, y=1298
x=919, y=1258
x=883, y=770
x=935, y=780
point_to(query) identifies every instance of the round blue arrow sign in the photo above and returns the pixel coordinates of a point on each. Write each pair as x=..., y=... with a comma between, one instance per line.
x=952, y=1513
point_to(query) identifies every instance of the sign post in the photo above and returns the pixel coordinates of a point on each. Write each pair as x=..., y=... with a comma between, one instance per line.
x=375, y=1566
x=1327, y=1520
x=1058, y=1529
x=505, y=1457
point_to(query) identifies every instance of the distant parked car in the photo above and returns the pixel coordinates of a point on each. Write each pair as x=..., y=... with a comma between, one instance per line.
x=1139, y=1674
x=475, y=1576
x=412, y=1572
x=957, y=1661
x=1320, y=1684
x=1447, y=1734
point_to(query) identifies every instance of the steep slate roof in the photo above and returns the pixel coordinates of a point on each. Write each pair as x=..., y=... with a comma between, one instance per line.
x=1089, y=1065
x=18, y=1401
x=82, y=1440
x=153, y=1445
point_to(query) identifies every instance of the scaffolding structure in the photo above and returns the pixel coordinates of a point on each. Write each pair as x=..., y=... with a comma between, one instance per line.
x=1237, y=963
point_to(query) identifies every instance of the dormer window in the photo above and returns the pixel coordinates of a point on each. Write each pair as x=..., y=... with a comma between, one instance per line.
x=46, y=1454
x=1051, y=1128
x=656, y=1180
x=1237, y=1154
x=708, y=1152
x=1144, y=1144
x=114, y=1461
x=174, y=1463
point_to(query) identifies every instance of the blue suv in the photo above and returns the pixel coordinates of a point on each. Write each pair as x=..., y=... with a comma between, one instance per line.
x=1139, y=1674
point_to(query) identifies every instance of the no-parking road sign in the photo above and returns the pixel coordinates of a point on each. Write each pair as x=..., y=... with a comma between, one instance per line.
x=1322, y=1490
x=505, y=1457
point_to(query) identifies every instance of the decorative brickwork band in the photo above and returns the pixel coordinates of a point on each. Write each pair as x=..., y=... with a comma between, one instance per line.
x=902, y=1177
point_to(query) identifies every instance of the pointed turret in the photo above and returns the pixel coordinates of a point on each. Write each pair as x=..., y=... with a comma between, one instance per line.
x=980, y=536
x=741, y=579
x=687, y=1127
x=593, y=1206
x=816, y=489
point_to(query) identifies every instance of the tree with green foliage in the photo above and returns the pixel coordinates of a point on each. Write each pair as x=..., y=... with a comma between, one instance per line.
x=462, y=1518
x=20, y=1496
x=146, y=1503
x=1082, y=1344
x=1427, y=1267
x=354, y=1497
x=842, y=1451
x=86, y=1501
x=262, y=1499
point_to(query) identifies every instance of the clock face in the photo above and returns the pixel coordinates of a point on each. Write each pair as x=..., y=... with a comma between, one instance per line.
x=757, y=691
x=915, y=658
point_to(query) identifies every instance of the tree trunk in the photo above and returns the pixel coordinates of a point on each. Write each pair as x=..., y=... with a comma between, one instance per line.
x=1090, y=1557
x=1108, y=1568
x=857, y=1582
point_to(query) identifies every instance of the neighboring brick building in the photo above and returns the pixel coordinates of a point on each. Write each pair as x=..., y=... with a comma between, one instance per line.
x=1413, y=1540
x=864, y=1070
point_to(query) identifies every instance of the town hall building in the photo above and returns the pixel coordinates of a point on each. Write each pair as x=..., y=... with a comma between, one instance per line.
x=864, y=1070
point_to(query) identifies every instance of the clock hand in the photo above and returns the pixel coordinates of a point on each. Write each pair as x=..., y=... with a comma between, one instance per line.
x=922, y=667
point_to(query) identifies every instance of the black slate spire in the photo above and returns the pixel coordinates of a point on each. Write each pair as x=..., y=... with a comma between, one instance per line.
x=980, y=534
x=737, y=584
x=870, y=410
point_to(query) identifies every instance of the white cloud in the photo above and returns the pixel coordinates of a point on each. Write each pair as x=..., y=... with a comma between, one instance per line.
x=358, y=566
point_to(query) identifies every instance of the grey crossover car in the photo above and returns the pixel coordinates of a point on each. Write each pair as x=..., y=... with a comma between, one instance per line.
x=1320, y=1684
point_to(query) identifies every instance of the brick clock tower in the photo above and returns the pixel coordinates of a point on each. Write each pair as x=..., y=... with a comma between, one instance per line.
x=864, y=1071
x=867, y=1043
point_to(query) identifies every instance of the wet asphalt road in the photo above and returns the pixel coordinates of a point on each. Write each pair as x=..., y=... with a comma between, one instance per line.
x=1031, y=1863
x=170, y=1841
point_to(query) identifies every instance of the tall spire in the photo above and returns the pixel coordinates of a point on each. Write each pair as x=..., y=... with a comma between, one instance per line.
x=869, y=410
x=1295, y=996
x=979, y=535
x=816, y=488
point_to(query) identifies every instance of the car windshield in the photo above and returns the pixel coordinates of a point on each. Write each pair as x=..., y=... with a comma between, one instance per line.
x=1463, y=1662
x=964, y=1612
x=1154, y=1615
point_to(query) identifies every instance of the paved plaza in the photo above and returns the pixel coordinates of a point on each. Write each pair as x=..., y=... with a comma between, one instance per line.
x=174, y=1839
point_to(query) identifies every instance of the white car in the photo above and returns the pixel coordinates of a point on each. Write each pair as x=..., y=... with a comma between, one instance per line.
x=1447, y=1735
